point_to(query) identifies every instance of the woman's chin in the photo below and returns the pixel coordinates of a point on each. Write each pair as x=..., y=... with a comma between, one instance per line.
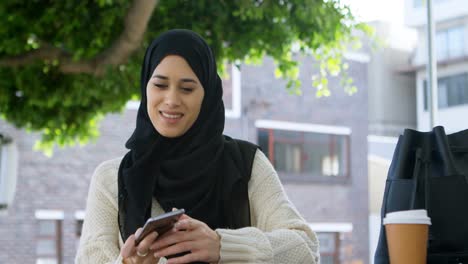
x=170, y=133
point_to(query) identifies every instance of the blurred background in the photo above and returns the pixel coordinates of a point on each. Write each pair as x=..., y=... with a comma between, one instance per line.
x=325, y=111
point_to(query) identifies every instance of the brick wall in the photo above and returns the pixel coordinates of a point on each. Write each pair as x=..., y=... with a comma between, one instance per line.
x=57, y=183
x=264, y=97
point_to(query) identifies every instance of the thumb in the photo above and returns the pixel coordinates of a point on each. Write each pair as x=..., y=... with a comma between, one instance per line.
x=129, y=248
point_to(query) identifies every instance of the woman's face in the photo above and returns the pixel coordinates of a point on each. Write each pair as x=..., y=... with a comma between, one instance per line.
x=174, y=96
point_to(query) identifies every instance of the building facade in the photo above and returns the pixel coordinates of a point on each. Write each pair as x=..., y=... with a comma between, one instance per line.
x=451, y=50
x=319, y=147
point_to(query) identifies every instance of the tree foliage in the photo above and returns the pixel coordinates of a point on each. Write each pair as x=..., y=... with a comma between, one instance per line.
x=64, y=64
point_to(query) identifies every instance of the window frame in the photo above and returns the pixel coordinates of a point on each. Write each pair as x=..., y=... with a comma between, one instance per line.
x=338, y=229
x=271, y=125
x=444, y=40
x=79, y=221
x=336, y=253
x=56, y=217
x=448, y=83
x=8, y=172
x=235, y=111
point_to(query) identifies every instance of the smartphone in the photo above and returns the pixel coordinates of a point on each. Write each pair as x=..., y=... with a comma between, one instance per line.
x=161, y=224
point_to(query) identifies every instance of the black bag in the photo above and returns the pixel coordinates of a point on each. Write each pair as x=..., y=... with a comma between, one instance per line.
x=429, y=171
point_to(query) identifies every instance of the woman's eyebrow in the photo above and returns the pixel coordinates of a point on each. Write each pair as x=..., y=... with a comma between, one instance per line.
x=167, y=78
x=188, y=80
x=160, y=77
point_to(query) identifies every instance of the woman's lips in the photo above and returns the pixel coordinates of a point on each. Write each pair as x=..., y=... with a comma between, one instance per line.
x=171, y=117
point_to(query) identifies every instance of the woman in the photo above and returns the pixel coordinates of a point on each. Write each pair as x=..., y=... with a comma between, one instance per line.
x=236, y=208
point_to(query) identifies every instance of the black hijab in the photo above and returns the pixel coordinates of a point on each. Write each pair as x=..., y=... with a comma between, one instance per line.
x=200, y=171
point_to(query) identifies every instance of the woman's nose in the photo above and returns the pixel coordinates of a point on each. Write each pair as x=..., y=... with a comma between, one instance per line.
x=172, y=98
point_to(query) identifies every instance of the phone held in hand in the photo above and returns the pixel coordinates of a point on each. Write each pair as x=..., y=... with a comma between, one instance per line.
x=161, y=224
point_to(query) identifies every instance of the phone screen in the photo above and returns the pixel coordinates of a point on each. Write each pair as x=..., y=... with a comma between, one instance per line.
x=161, y=224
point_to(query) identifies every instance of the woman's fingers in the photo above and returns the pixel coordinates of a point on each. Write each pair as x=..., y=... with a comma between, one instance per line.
x=178, y=233
x=144, y=246
x=166, y=234
x=184, y=216
x=188, y=224
x=128, y=247
x=175, y=249
x=172, y=239
x=130, y=251
x=188, y=235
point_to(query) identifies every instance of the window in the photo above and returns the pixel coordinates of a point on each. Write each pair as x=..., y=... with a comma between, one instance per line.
x=450, y=43
x=308, y=154
x=452, y=91
x=3, y=204
x=329, y=247
x=79, y=219
x=231, y=91
x=8, y=171
x=49, y=237
x=79, y=227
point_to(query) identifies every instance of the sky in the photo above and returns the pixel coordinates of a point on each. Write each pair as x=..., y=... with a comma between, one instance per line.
x=399, y=36
x=369, y=10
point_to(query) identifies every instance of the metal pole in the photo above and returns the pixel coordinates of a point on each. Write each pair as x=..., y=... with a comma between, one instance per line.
x=431, y=69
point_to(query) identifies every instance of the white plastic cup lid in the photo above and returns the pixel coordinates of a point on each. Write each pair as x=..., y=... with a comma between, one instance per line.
x=407, y=217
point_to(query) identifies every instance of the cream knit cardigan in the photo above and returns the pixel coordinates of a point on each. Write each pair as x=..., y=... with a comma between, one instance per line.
x=278, y=233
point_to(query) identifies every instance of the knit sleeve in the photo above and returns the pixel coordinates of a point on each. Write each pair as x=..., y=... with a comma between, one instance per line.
x=99, y=242
x=278, y=233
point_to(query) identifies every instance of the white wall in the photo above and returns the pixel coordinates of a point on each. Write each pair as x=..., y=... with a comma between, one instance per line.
x=420, y=54
x=453, y=118
x=374, y=230
x=387, y=87
x=377, y=171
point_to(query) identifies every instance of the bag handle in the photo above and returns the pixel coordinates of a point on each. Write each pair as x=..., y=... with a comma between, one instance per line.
x=416, y=171
x=421, y=180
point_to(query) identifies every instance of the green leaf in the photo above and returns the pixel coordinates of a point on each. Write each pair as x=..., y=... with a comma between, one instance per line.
x=66, y=108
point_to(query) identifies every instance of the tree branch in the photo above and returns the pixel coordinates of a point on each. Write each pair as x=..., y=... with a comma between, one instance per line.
x=46, y=52
x=135, y=24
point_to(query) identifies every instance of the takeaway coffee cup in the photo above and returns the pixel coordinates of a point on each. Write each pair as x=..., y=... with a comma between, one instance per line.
x=407, y=233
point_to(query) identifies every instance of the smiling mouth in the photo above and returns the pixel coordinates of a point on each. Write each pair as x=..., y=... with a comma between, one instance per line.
x=171, y=116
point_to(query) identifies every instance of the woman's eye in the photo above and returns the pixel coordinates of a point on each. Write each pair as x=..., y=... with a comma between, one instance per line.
x=161, y=86
x=187, y=90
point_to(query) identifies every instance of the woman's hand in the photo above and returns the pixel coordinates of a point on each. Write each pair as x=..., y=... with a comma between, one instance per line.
x=140, y=254
x=192, y=236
